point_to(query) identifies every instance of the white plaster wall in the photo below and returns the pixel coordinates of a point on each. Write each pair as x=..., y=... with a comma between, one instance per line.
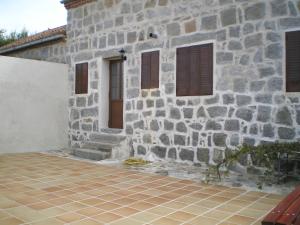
x=33, y=105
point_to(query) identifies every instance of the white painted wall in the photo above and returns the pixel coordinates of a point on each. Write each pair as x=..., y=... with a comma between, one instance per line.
x=33, y=105
x=104, y=93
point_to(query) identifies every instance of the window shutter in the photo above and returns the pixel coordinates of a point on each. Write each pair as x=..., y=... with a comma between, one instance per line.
x=182, y=71
x=206, y=70
x=146, y=70
x=150, y=70
x=154, y=69
x=81, y=80
x=194, y=74
x=293, y=61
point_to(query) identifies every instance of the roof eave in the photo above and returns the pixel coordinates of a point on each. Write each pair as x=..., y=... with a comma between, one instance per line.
x=32, y=43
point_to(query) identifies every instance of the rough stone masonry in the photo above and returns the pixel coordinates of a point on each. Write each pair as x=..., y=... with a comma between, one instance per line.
x=249, y=103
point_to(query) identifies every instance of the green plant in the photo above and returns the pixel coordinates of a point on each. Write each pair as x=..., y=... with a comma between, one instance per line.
x=12, y=36
x=264, y=155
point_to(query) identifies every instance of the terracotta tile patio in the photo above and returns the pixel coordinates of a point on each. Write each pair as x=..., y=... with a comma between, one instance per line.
x=40, y=189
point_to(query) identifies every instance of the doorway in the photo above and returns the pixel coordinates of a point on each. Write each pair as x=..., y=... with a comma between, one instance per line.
x=116, y=94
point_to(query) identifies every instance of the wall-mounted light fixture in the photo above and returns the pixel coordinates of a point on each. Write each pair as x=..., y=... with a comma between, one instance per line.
x=123, y=56
x=152, y=35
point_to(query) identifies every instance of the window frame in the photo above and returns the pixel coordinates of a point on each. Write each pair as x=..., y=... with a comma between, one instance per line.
x=88, y=78
x=284, y=64
x=213, y=42
x=159, y=67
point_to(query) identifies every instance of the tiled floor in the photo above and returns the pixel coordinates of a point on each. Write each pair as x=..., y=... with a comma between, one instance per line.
x=40, y=189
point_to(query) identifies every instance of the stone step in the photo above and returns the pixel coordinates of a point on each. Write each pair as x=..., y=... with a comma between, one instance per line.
x=91, y=154
x=107, y=138
x=99, y=146
x=111, y=130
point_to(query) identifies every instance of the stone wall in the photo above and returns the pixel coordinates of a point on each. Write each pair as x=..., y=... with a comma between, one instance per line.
x=52, y=52
x=249, y=104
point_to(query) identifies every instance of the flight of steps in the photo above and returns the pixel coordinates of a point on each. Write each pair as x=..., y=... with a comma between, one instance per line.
x=108, y=145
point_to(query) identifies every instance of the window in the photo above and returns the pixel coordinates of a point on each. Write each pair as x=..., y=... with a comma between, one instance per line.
x=150, y=70
x=293, y=61
x=194, y=70
x=81, y=80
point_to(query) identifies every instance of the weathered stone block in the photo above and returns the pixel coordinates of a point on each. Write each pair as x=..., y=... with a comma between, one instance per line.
x=275, y=84
x=133, y=93
x=159, y=151
x=289, y=23
x=266, y=72
x=89, y=112
x=141, y=150
x=198, y=126
x=154, y=125
x=212, y=125
x=181, y=127
x=228, y=17
x=179, y=139
x=129, y=117
x=235, y=140
x=286, y=133
x=150, y=4
x=203, y=155
x=228, y=99
x=224, y=57
x=264, y=98
x=217, y=111
x=278, y=8
x=186, y=154
x=274, y=37
x=201, y=112
x=172, y=153
x=74, y=114
x=219, y=139
x=75, y=125
x=190, y=26
x=139, y=125
x=254, y=40
x=209, y=22
x=248, y=28
x=188, y=113
x=139, y=105
x=242, y=100
x=164, y=139
x=160, y=113
x=235, y=31
x=235, y=45
x=168, y=125
x=283, y=116
x=268, y=131
x=175, y=113
x=239, y=85
x=263, y=113
x=131, y=37
x=256, y=11
x=274, y=51
x=167, y=67
x=232, y=125
x=173, y=29
x=245, y=114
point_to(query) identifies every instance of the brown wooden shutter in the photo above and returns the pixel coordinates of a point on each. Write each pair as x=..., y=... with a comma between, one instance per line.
x=194, y=74
x=206, y=70
x=81, y=78
x=154, y=69
x=183, y=71
x=150, y=70
x=293, y=61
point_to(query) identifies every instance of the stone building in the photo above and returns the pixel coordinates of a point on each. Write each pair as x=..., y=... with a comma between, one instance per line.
x=48, y=45
x=183, y=79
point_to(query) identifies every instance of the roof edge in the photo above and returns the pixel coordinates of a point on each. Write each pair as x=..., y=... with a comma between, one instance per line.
x=33, y=43
x=69, y=4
